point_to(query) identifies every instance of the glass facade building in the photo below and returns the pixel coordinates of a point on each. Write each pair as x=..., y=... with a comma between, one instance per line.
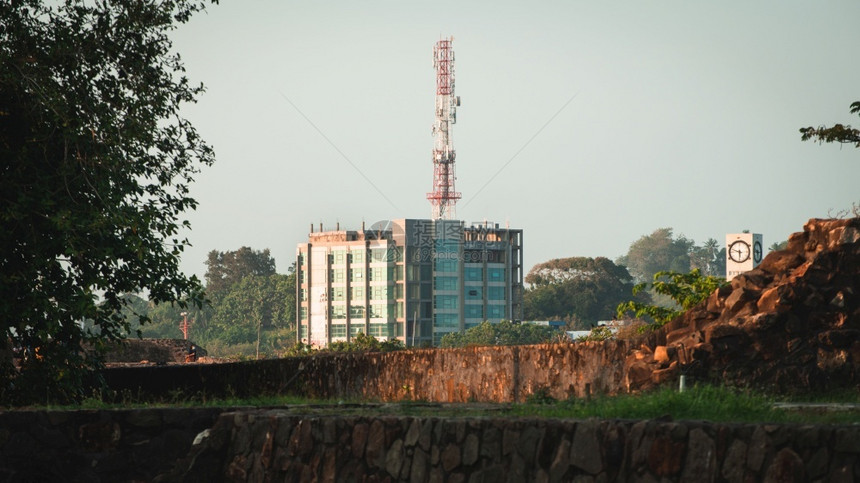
x=408, y=279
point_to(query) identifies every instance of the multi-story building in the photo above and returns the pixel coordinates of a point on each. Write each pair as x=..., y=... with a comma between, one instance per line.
x=413, y=280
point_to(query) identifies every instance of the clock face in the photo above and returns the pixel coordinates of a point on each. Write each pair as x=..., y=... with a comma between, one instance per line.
x=757, y=252
x=739, y=251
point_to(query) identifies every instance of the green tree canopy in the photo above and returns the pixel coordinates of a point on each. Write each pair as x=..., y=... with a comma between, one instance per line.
x=580, y=290
x=224, y=269
x=686, y=290
x=97, y=163
x=656, y=252
x=837, y=133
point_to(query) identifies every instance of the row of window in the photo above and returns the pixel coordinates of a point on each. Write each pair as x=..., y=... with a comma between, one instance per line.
x=376, y=330
x=414, y=273
x=339, y=257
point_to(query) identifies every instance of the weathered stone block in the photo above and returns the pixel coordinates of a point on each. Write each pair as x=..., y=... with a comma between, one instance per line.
x=785, y=467
x=585, y=448
x=700, y=464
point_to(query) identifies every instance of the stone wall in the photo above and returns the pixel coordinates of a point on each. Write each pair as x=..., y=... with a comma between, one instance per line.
x=489, y=374
x=158, y=351
x=92, y=446
x=276, y=446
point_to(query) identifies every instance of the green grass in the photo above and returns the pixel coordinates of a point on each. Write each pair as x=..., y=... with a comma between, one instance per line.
x=704, y=402
x=710, y=403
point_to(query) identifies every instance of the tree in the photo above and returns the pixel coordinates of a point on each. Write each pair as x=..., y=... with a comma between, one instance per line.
x=579, y=290
x=225, y=269
x=686, y=289
x=95, y=176
x=775, y=247
x=503, y=333
x=657, y=252
x=837, y=133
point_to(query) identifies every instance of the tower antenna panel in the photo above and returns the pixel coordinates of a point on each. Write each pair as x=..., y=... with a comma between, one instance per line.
x=444, y=196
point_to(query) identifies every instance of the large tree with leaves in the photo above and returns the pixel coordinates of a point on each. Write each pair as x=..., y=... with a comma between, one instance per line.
x=95, y=174
x=225, y=269
x=838, y=133
x=580, y=290
x=659, y=251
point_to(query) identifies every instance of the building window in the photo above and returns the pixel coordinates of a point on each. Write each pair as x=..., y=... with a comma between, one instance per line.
x=413, y=274
x=446, y=283
x=395, y=273
x=474, y=293
x=495, y=311
x=338, y=257
x=338, y=330
x=336, y=275
x=356, y=256
x=357, y=293
x=379, y=255
x=379, y=292
x=303, y=313
x=377, y=274
x=474, y=274
x=380, y=311
x=338, y=312
x=356, y=274
x=447, y=321
x=474, y=311
x=356, y=311
x=446, y=302
x=495, y=293
x=303, y=295
x=496, y=274
x=354, y=330
x=380, y=330
x=446, y=264
x=303, y=331
x=338, y=294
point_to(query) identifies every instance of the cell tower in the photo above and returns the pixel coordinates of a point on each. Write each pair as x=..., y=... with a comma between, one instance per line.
x=444, y=197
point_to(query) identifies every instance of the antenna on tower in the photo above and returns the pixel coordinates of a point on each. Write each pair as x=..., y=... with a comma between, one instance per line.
x=444, y=197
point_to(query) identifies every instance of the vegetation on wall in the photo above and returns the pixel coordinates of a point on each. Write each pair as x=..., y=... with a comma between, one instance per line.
x=503, y=333
x=685, y=289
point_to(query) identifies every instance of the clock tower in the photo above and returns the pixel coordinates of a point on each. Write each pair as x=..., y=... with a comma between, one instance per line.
x=743, y=253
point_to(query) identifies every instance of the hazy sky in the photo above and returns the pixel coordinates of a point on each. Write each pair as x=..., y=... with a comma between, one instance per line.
x=683, y=114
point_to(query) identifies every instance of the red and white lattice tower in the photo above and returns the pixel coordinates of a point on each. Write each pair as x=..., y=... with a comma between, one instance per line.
x=444, y=196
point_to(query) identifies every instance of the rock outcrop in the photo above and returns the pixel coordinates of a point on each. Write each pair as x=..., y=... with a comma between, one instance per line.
x=792, y=324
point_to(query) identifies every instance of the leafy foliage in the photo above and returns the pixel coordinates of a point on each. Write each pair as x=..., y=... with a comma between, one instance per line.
x=597, y=334
x=656, y=252
x=96, y=169
x=366, y=343
x=225, y=269
x=503, y=333
x=580, y=290
x=837, y=133
x=685, y=289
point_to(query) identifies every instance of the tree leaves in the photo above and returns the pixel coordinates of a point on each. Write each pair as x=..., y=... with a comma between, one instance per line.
x=95, y=173
x=686, y=289
x=837, y=133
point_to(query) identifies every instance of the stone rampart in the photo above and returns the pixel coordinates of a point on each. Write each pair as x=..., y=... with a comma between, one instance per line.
x=487, y=374
x=120, y=445
x=249, y=445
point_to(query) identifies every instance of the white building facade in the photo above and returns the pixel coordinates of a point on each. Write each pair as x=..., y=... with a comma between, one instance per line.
x=408, y=279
